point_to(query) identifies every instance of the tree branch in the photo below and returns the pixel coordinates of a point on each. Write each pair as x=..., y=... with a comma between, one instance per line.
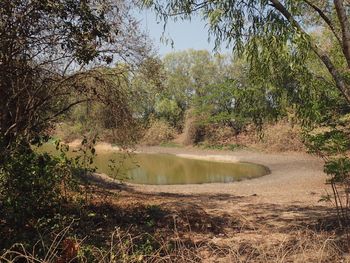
x=59, y=113
x=326, y=19
x=337, y=77
x=345, y=28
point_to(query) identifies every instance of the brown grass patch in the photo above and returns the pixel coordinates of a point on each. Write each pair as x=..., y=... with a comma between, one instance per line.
x=145, y=227
x=279, y=137
x=158, y=132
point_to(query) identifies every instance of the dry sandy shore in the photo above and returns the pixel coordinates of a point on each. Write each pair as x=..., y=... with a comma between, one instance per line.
x=282, y=206
x=294, y=178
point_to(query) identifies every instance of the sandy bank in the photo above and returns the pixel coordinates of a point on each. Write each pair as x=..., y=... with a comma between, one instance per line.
x=294, y=178
x=215, y=158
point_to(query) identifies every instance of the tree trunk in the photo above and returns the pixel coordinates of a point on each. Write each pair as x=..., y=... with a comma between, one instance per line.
x=341, y=84
x=345, y=28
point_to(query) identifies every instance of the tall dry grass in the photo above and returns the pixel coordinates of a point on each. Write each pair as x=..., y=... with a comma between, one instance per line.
x=277, y=137
x=158, y=132
x=302, y=246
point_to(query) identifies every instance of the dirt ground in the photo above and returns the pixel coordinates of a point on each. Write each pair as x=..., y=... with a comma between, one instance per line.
x=294, y=178
x=274, y=218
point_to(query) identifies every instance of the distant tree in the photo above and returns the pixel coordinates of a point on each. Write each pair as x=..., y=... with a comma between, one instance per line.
x=147, y=86
x=188, y=72
x=236, y=106
x=168, y=110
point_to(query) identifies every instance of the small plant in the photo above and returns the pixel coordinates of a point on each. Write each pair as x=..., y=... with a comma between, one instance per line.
x=117, y=166
x=332, y=145
x=213, y=146
x=30, y=184
x=234, y=147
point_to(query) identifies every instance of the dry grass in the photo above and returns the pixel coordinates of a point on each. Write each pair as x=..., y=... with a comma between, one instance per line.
x=123, y=247
x=219, y=135
x=302, y=246
x=279, y=137
x=146, y=227
x=158, y=132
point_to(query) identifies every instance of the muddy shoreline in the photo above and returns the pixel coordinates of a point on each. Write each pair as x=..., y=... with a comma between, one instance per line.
x=294, y=177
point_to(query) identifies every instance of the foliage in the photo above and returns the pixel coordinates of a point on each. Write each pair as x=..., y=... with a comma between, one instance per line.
x=147, y=87
x=189, y=72
x=169, y=111
x=264, y=28
x=137, y=95
x=35, y=185
x=237, y=105
x=49, y=59
x=112, y=115
x=30, y=184
x=289, y=65
x=276, y=39
x=158, y=132
x=55, y=55
x=333, y=145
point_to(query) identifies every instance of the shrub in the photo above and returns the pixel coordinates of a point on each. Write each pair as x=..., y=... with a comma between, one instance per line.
x=193, y=131
x=333, y=145
x=29, y=184
x=35, y=184
x=158, y=132
x=219, y=134
x=169, y=111
x=282, y=137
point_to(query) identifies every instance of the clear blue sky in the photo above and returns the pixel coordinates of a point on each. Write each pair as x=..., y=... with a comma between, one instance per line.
x=185, y=34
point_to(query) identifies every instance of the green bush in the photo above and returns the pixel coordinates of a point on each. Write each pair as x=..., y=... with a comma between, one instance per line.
x=29, y=184
x=168, y=110
x=33, y=184
x=333, y=146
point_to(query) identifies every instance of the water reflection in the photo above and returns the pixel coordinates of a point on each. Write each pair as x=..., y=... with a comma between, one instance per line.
x=160, y=169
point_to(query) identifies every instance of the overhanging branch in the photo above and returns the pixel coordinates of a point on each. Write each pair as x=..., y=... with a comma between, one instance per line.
x=326, y=19
x=337, y=77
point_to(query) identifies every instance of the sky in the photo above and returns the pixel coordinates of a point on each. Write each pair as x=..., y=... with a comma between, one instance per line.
x=184, y=34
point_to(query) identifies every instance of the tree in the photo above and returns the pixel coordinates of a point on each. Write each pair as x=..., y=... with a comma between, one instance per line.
x=278, y=38
x=190, y=71
x=54, y=55
x=49, y=57
x=253, y=25
x=147, y=85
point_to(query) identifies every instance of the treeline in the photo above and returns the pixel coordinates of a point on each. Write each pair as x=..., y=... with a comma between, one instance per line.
x=192, y=87
x=196, y=93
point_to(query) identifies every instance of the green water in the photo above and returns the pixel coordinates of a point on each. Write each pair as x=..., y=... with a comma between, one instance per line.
x=161, y=169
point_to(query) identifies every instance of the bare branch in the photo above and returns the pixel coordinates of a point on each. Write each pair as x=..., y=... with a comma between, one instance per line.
x=337, y=77
x=345, y=27
x=326, y=19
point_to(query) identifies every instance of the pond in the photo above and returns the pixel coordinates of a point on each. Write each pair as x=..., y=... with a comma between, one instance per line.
x=167, y=169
